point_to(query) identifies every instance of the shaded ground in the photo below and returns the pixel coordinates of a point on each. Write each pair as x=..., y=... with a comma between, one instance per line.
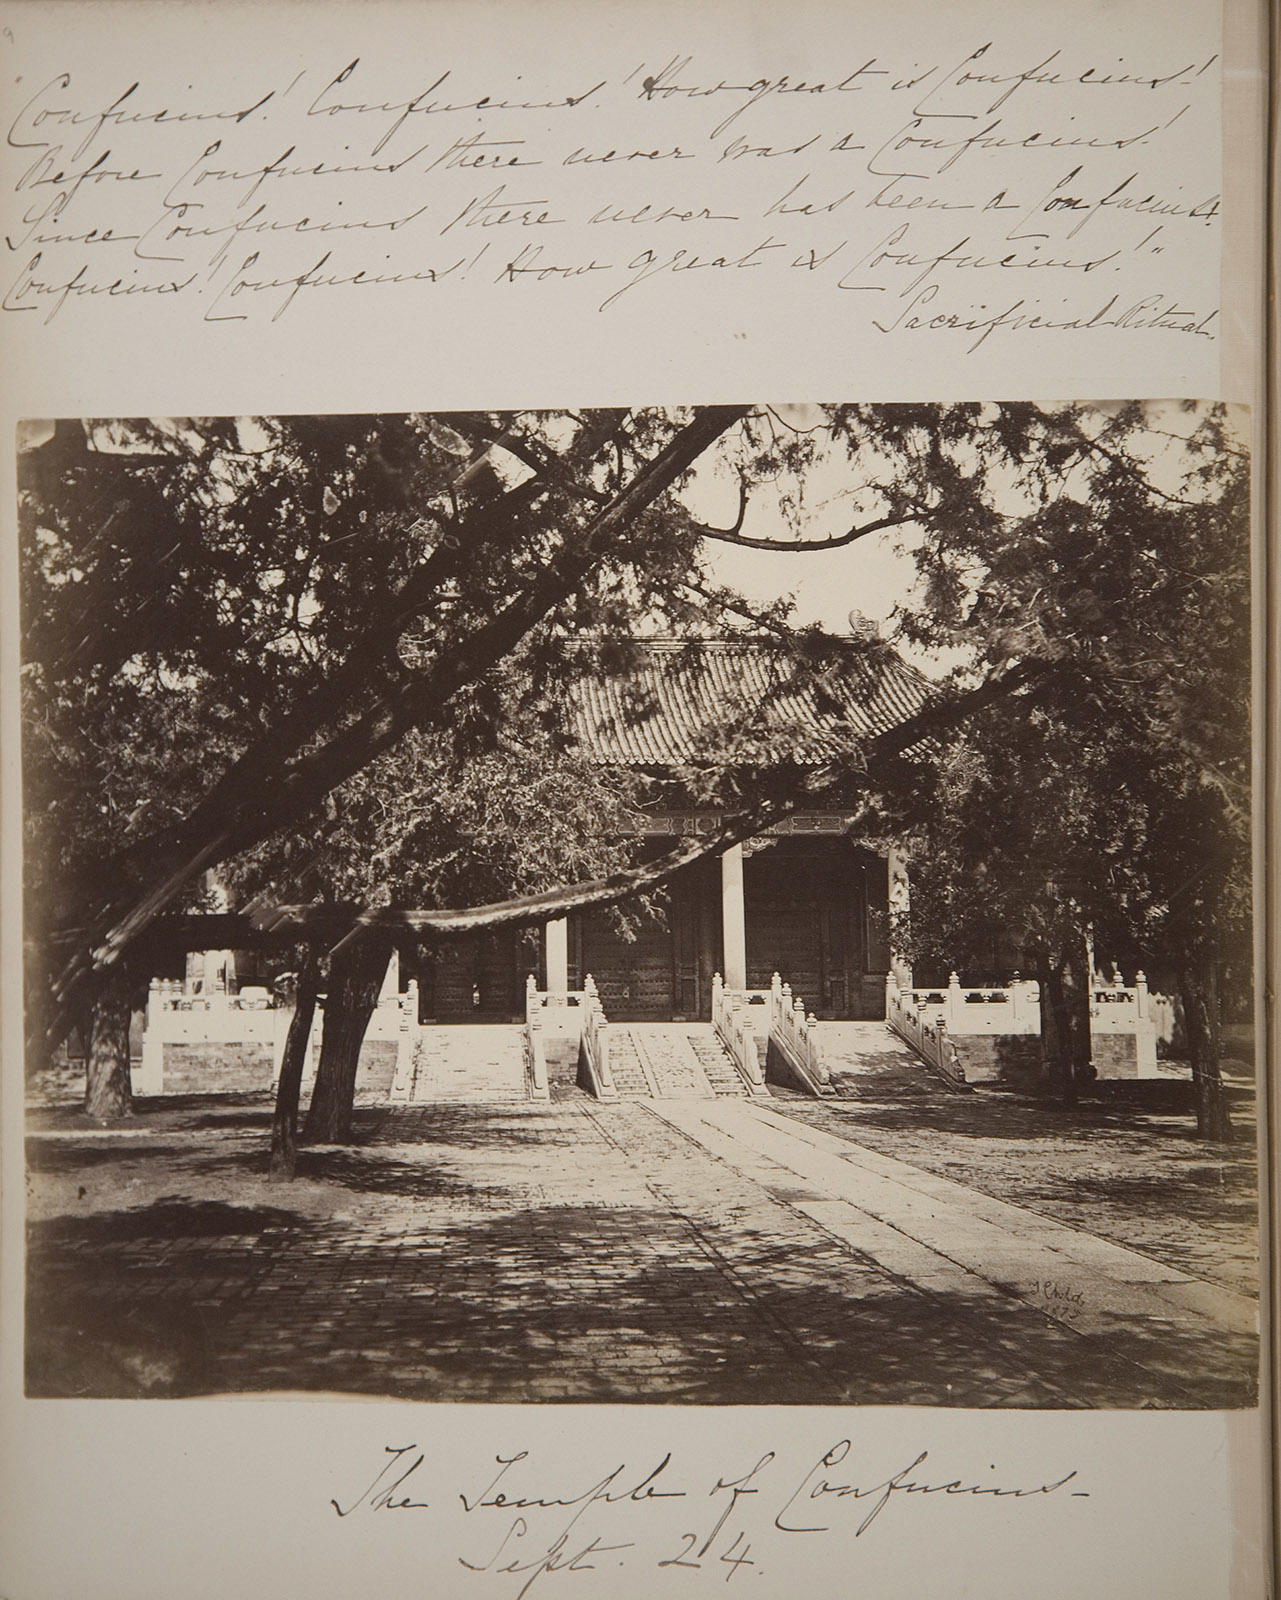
x=575, y=1251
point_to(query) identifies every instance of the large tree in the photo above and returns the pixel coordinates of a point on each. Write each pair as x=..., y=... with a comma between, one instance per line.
x=301, y=592
x=171, y=583
x=1118, y=804
x=478, y=563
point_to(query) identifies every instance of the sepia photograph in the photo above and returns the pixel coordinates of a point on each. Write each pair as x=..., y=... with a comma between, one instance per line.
x=730, y=905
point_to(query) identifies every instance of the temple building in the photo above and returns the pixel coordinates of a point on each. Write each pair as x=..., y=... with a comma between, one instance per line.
x=761, y=951
x=806, y=899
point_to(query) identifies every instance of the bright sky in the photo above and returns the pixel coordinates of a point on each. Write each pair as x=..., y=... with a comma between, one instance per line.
x=871, y=576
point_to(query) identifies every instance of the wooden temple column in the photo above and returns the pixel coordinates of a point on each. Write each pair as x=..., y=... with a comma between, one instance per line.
x=733, y=918
x=899, y=904
x=556, y=954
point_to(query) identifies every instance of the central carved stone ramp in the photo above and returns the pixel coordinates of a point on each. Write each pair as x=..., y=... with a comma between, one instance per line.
x=868, y=1061
x=478, y=1062
x=672, y=1061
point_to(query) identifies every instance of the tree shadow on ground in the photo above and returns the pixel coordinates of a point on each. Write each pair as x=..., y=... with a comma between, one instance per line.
x=1200, y=1197
x=578, y=1302
x=468, y=1127
x=85, y=1347
x=237, y=1162
x=1176, y=1097
x=172, y=1217
x=107, y=1312
x=223, y=1101
x=150, y=1113
x=215, y=1121
x=371, y=1169
x=349, y=1169
x=50, y=1156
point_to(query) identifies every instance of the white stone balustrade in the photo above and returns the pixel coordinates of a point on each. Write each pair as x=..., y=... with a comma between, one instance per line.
x=594, y=1045
x=402, y=1084
x=1116, y=1008
x=538, y=1003
x=734, y=1015
x=217, y=1020
x=561, y=1009
x=1014, y=1009
x=795, y=1033
x=924, y=1027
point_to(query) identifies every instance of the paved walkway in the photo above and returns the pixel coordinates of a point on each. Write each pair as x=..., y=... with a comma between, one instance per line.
x=707, y=1251
x=942, y=1236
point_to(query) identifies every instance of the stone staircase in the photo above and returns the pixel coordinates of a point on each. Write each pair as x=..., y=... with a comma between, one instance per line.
x=485, y=1063
x=626, y=1068
x=477, y=1062
x=672, y=1061
x=868, y=1061
x=718, y=1066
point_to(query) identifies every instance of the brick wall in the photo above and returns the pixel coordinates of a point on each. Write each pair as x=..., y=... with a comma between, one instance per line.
x=1115, y=1055
x=997, y=1057
x=377, y=1065
x=214, y=1068
x=1013, y=1058
x=208, y=1068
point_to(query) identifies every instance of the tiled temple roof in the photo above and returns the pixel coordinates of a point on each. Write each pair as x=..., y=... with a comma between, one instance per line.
x=673, y=706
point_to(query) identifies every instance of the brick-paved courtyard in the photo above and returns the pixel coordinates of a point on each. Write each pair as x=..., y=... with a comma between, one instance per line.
x=587, y=1252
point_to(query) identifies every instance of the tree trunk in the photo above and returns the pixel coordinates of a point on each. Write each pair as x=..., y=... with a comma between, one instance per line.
x=355, y=977
x=284, y=1125
x=1064, y=978
x=1198, y=990
x=108, y=1088
x=1077, y=979
x=1054, y=1076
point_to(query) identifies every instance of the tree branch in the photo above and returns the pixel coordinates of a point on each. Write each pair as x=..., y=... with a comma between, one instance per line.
x=526, y=910
x=548, y=466
x=800, y=546
x=729, y=533
x=1130, y=469
x=822, y=783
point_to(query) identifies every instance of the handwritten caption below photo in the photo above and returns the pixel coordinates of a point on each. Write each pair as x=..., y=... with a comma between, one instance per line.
x=521, y=1521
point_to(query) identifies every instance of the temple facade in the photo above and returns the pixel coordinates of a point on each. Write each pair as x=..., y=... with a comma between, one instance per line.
x=806, y=899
